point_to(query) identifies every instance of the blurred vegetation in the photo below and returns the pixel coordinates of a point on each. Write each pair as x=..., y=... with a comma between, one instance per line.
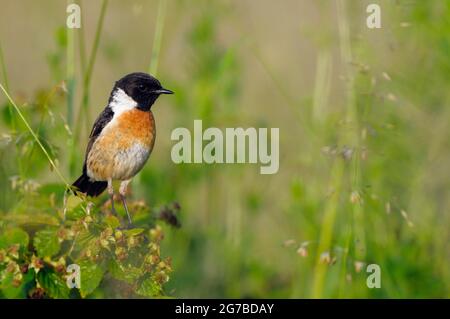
x=364, y=169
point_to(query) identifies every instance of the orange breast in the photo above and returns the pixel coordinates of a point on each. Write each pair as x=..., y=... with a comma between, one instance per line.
x=135, y=125
x=123, y=147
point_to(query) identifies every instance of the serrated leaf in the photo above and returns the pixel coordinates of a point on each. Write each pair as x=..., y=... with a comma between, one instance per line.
x=91, y=274
x=21, y=291
x=149, y=288
x=120, y=272
x=134, y=231
x=72, y=202
x=54, y=285
x=7, y=288
x=46, y=243
x=14, y=236
x=112, y=221
x=74, y=209
x=75, y=214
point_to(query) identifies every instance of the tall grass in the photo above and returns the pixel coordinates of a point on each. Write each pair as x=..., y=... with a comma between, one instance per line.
x=83, y=115
x=6, y=82
x=35, y=136
x=83, y=112
x=157, y=39
x=363, y=176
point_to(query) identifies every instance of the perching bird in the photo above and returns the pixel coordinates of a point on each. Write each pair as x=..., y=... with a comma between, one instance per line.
x=122, y=137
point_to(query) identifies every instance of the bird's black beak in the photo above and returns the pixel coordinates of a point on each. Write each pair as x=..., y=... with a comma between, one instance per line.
x=163, y=91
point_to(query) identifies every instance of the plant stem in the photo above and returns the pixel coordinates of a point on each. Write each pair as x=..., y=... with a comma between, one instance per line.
x=88, y=74
x=5, y=80
x=326, y=234
x=22, y=117
x=156, y=49
x=70, y=75
x=81, y=41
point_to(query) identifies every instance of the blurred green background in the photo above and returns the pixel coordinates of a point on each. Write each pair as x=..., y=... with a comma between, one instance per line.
x=364, y=135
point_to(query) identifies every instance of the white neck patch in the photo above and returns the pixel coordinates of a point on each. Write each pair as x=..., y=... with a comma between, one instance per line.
x=121, y=102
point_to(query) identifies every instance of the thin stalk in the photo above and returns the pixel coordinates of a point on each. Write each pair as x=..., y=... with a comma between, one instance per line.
x=86, y=84
x=278, y=84
x=327, y=229
x=71, y=87
x=88, y=74
x=22, y=117
x=10, y=107
x=156, y=49
x=5, y=80
x=356, y=232
x=353, y=137
x=350, y=138
x=70, y=75
x=41, y=124
x=81, y=43
x=322, y=85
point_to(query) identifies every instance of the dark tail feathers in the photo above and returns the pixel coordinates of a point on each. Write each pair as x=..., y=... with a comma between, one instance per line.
x=84, y=185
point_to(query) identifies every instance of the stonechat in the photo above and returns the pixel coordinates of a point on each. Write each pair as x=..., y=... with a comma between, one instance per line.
x=122, y=137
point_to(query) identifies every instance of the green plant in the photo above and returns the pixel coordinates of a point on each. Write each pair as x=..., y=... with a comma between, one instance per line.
x=34, y=256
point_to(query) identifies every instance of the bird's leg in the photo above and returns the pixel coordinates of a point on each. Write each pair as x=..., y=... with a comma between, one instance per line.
x=123, y=192
x=111, y=195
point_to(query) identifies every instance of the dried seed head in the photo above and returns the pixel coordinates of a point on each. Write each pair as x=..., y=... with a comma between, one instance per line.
x=302, y=251
x=358, y=266
x=13, y=251
x=364, y=154
x=391, y=97
x=388, y=207
x=36, y=263
x=347, y=153
x=325, y=258
x=386, y=76
x=156, y=234
x=289, y=242
x=355, y=198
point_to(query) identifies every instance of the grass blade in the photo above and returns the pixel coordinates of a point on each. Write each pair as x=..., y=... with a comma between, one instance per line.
x=22, y=117
x=153, y=68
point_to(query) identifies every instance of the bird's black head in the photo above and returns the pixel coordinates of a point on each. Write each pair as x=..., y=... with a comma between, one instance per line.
x=143, y=88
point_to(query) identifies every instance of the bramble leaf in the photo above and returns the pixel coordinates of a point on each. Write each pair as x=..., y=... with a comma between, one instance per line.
x=128, y=274
x=53, y=284
x=112, y=221
x=13, y=236
x=91, y=276
x=149, y=288
x=134, y=231
x=46, y=242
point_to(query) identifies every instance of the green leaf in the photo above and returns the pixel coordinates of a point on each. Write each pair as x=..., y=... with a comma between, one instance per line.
x=8, y=289
x=46, y=242
x=14, y=236
x=127, y=274
x=149, y=288
x=74, y=209
x=91, y=276
x=55, y=286
x=112, y=221
x=73, y=202
x=134, y=231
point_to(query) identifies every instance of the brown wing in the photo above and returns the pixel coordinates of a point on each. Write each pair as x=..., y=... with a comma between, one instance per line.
x=104, y=118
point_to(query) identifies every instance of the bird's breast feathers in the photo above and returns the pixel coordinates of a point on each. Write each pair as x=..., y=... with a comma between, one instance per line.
x=123, y=146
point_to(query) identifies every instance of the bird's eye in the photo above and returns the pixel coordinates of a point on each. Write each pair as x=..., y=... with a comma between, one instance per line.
x=142, y=87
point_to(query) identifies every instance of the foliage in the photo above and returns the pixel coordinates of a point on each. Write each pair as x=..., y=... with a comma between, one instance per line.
x=33, y=260
x=364, y=151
